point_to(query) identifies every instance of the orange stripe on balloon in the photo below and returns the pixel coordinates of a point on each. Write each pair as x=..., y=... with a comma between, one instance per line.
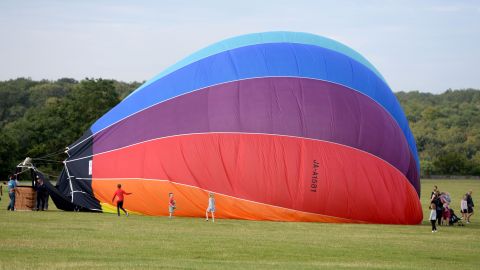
x=151, y=198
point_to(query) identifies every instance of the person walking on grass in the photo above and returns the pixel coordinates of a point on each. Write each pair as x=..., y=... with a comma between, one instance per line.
x=172, y=205
x=433, y=217
x=12, y=187
x=119, y=194
x=211, y=207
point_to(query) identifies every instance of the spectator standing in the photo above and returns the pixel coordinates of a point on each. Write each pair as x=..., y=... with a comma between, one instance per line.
x=1, y=190
x=433, y=217
x=12, y=188
x=464, y=207
x=470, y=206
x=40, y=190
x=211, y=207
x=172, y=205
x=446, y=214
x=438, y=206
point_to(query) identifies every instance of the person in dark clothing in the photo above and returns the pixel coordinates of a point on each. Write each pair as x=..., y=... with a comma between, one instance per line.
x=438, y=205
x=470, y=206
x=40, y=190
x=46, y=195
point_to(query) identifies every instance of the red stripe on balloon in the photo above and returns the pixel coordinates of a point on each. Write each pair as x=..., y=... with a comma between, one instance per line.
x=294, y=173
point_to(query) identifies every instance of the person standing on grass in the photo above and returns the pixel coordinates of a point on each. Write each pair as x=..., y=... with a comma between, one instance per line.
x=172, y=205
x=1, y=190
x=446, y=215
x=12, y=187
x=433, y=217
x=439, y=206
x=211, y=207
x=470, y=206
x=119, y=194
x=464, y=207
x=40, y=192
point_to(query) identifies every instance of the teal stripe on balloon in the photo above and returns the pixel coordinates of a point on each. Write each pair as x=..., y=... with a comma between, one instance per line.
x=260, y=38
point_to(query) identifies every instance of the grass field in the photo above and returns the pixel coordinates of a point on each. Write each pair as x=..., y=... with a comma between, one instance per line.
x=66, y=240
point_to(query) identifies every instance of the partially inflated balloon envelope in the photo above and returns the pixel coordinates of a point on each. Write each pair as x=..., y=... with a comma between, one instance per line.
x=280, y=126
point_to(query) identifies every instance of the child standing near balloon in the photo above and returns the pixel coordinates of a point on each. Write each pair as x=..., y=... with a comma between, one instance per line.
x=446, y=214
x=433, y=216
x=171, y=204
x=119, y=194
x=464, y=207
x=211, y=207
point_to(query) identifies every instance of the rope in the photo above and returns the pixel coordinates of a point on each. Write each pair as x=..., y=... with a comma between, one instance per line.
x=52, y=176
x=46, y=174
x=51, y=154
x=48, y=160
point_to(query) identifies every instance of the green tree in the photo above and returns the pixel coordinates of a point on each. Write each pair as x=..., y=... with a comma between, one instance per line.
x=62, y=113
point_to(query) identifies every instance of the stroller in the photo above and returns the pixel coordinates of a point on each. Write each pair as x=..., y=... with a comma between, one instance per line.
x=454, y=219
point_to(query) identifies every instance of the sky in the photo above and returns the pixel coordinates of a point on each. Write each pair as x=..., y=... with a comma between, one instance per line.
x=427, y=45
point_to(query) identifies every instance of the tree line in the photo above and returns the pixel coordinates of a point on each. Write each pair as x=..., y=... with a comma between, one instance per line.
x=40, y=118
x=447, y=130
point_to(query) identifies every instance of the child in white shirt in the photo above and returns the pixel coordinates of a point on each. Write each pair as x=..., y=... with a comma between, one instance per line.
x=464, y=207
x=211, y=207
x=433, y=217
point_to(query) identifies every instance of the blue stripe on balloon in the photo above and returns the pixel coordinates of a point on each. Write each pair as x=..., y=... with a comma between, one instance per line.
x=264, y=60
x=262, y=38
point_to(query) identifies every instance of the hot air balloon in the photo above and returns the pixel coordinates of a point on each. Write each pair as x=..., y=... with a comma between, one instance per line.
x=281, y=126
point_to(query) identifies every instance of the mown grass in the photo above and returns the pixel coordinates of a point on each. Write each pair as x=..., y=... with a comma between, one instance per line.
x=66, y=240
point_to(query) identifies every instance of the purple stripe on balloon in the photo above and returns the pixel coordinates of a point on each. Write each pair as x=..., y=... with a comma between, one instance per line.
x=276, y=105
